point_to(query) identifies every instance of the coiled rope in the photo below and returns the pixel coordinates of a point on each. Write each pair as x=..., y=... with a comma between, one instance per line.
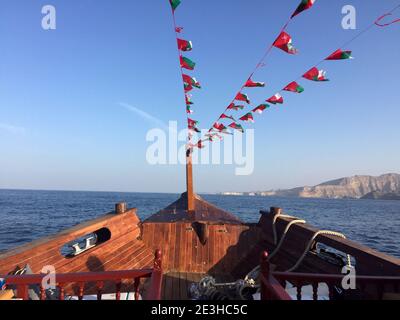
x=309, y=244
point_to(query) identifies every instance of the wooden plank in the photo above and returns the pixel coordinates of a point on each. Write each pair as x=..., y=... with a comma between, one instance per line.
x=183, y=286
x=45, y=247
x=176, y=291
x=176, y=252
x=169, y=287
x=182, y=247
x=188, y=248
x=165, y=245
x=195, y=248
x=79, y=263
x=172, y=244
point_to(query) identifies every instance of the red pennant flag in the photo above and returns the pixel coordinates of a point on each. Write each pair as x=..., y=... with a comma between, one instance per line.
x=224, y=116
x=219, y=126
x=242, y=97
x=261, y=108
x=188, y=87
x=340, y=55
x=191, y=81
x=178, y=29
x=187, y=63
x=276, y=99
x=185, y=45
x=247, y=117
x=188, y=109
x=192, y=123
x=235, y=107
x=251, y=84
x=315, y=75
x=304, y=5
x=236, y=126
x=200, y=144
x=188, y=99
x=284, y=42
x=294, y=87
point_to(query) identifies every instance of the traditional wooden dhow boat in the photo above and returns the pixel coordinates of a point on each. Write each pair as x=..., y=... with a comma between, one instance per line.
x=194, y=250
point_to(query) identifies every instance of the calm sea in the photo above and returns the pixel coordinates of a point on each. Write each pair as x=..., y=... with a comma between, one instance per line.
x=29, y=215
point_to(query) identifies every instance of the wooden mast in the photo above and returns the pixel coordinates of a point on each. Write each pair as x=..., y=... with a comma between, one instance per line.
x=189, y=181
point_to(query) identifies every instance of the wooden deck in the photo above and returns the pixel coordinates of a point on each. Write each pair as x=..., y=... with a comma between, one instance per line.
x=204, y=211
x=176, y=285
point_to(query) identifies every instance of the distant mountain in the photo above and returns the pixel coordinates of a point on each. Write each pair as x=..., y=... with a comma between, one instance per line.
x=352, y=187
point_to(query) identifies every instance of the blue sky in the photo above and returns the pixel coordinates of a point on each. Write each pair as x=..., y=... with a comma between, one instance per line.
x=63, y=124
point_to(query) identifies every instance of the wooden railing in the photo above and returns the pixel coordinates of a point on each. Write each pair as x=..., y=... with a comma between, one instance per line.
x=271, y=289
x=23, y=282
x=369, y=287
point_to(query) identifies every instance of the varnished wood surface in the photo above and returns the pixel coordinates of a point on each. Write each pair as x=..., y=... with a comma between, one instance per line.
x=368, y=261
x=122, y=252
x=204, y=211
x=176, y=285
x=227, y=247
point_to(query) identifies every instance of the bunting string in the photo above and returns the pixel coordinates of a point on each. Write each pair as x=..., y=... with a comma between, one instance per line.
x=377, y=22
x=283, y=41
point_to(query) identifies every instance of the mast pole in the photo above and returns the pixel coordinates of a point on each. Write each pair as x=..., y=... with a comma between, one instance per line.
x=189, y=181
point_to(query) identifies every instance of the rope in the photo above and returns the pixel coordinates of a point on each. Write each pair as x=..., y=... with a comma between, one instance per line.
x=279, y=215
x=309, y=244
x=296, y=221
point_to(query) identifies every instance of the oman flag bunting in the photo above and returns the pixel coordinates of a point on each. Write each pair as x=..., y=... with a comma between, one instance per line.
x=340, y=55
x=284, y=42
x=187, y=63
x=294, y=87
x=242, y=97
x=185, y=45
x=235, y=107
x=315, y=75
x=304, y=5
x=260, y=109
x=247, y=117
x=236, y=126
x=251, y=84
x=276, y=99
